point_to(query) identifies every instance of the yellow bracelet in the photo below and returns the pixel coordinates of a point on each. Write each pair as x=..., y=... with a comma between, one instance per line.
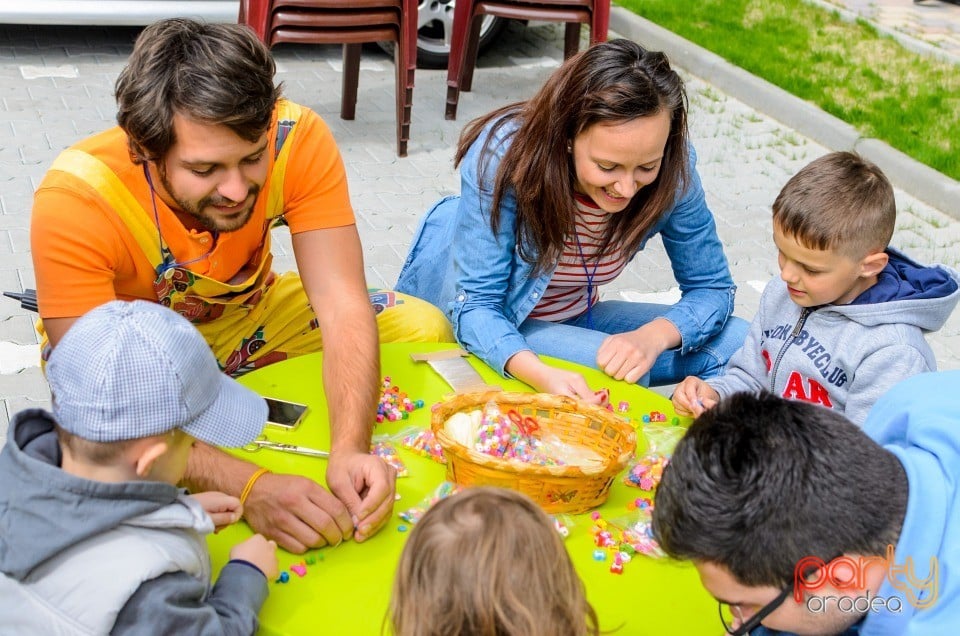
x=250, y=482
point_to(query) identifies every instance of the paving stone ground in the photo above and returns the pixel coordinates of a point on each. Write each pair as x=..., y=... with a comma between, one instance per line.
x=56, y=87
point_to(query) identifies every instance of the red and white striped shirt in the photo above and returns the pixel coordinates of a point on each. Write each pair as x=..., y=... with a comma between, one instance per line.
x=566, y=294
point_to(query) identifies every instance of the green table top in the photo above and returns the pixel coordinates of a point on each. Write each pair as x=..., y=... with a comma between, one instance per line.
x=347, y=589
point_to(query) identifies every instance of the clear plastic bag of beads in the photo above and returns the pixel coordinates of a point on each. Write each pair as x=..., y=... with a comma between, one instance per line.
x=444, y=490
x=633, y=532
x=384, y=447
x=646, y=470
x=422, y=442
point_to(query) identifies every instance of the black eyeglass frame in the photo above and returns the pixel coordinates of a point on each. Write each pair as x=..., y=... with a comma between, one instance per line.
x=754, y=621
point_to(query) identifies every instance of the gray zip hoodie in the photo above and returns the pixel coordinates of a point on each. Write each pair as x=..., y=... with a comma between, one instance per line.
x=845, y=357
x=86, y=557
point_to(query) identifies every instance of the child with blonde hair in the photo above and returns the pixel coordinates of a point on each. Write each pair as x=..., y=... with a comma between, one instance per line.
x=488, y=562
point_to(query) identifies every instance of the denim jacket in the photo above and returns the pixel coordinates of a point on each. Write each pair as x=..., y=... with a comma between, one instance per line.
x=483, y=286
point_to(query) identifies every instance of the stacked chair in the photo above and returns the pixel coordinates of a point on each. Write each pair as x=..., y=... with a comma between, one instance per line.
x=350, y=23
x=466, y=32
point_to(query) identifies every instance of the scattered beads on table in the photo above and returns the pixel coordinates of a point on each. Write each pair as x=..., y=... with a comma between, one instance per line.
x=561, y=525
x=623, y=406
x=394, y=404
x=401, y=528
x=655, y=416
x=300, y=568
x=641, y=503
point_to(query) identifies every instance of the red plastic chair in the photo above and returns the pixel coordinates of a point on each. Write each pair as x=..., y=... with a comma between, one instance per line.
x=466, y=32
x=351, y=24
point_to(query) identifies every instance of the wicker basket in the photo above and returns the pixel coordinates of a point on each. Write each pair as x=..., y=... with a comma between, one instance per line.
x=571, y=489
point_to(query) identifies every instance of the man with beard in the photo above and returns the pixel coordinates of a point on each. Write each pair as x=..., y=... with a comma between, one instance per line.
x=175, y=206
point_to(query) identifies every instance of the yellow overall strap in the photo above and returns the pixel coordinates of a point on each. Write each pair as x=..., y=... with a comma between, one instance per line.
x=288, y=114
x=108, y=186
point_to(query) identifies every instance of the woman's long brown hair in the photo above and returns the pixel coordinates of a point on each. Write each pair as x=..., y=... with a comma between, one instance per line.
x=609, y=83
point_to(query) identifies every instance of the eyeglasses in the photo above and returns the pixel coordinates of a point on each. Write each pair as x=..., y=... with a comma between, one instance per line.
x=729, y=612
x=726, y=617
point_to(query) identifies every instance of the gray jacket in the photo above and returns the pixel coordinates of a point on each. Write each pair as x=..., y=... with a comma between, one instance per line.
x=845, y=356
x=86, y=557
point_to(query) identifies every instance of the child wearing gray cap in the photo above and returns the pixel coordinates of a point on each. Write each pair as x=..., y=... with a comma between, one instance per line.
x=95, y=536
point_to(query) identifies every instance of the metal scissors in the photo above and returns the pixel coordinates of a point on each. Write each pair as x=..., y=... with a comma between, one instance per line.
x=262, y=442
x=527, y=425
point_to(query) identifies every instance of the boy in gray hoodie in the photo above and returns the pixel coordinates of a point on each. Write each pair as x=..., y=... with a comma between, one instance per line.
x=846, y=319
x=95, y=536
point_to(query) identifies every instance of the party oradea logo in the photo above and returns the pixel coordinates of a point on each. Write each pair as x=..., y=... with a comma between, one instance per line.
x=848, y=574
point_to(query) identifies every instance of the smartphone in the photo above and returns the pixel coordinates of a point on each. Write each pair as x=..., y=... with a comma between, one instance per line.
x=285, y=415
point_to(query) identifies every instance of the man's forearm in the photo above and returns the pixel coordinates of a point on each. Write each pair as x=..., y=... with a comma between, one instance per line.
x=331, y=268
x=351, y=377
x=209, y=468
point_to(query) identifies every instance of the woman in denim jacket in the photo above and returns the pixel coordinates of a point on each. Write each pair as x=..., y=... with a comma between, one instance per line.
x=558, y=194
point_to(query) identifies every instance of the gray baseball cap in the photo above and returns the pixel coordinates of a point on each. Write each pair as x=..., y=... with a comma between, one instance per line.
x=128, y=370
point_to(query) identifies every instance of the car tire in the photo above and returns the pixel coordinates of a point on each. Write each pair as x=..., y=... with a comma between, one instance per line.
x=435, y=30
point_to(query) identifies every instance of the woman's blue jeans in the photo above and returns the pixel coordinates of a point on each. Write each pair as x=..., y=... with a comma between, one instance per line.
x=572, y=340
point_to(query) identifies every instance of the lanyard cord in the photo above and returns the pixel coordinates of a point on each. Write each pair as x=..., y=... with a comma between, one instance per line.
x=589, y=274
x=169, y=262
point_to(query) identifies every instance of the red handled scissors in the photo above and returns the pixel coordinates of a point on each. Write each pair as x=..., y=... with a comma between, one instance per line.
x=527, y=425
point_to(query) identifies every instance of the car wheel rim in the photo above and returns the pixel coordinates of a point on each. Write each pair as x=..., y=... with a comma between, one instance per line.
x=435, y=25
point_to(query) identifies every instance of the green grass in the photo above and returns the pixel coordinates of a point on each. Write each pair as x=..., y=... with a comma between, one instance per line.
x=867, y=79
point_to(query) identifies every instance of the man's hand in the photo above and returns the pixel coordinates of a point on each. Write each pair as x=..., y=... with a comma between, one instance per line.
x=297, y=513
x=693, y=396
x=224, y=509
x=366, y=485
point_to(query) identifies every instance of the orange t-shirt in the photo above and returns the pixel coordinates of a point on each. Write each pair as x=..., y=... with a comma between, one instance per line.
x=84, y=255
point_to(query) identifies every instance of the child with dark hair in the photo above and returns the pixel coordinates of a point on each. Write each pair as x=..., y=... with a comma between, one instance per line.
x=846, y=319
x=488, y=562
x=799, y=521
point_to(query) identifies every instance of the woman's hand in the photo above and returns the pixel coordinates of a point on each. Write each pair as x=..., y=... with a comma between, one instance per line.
x=529, y=368
x=569, y=383
x=629, y=356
